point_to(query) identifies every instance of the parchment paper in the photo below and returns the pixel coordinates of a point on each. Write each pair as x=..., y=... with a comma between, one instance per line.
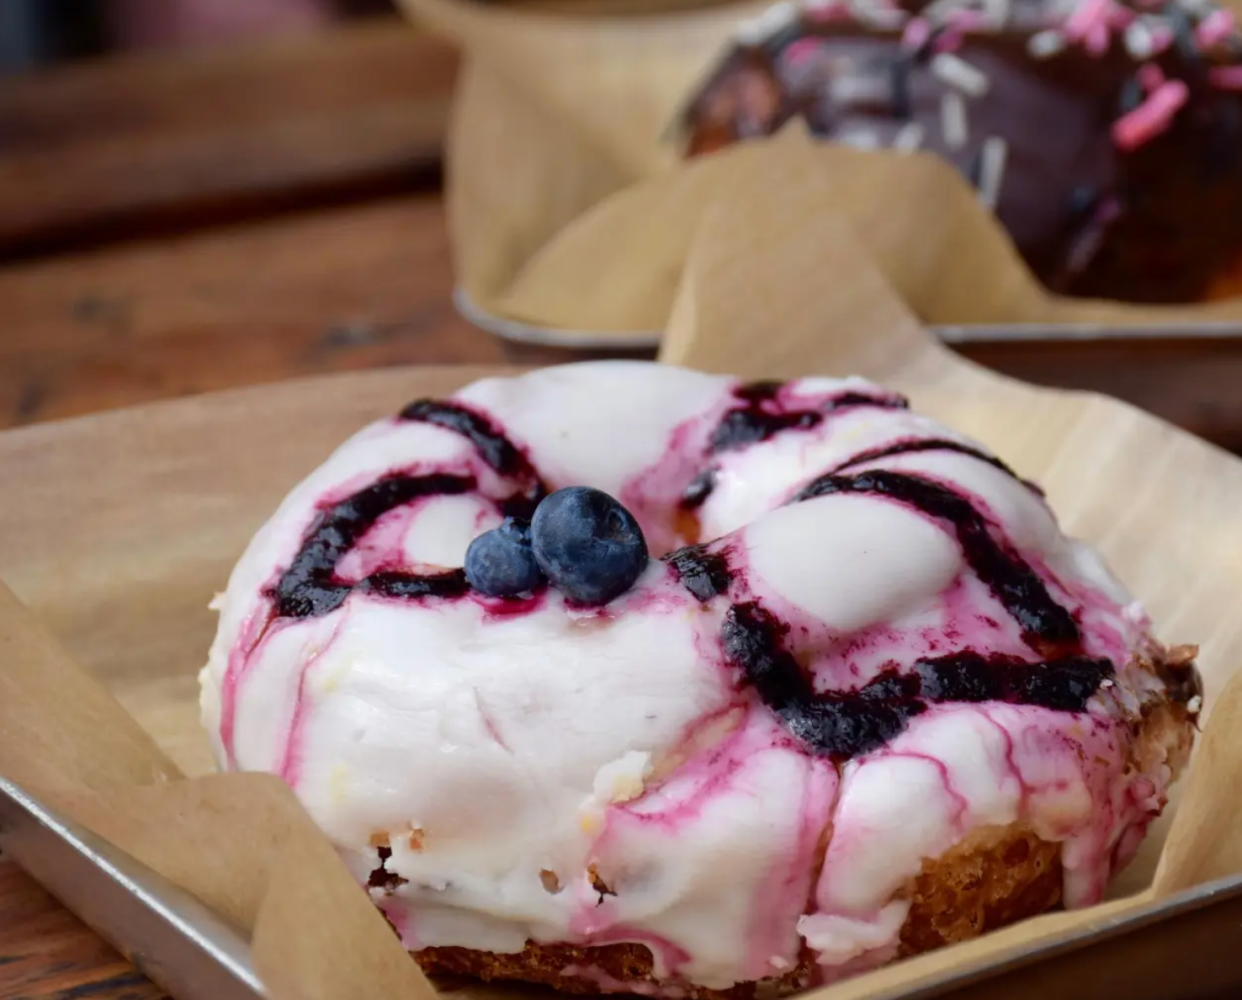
x=563, y=172
x=766, y=289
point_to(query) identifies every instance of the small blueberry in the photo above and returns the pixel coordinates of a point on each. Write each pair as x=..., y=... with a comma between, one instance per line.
x=587, y=544
x=500, y=563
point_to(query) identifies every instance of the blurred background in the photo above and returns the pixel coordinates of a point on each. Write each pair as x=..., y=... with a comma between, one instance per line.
x=44, y=32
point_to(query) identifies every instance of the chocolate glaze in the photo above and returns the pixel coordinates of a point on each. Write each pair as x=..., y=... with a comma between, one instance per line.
x=1046, y=626
x=310, y=587
x=705, y=574
x=1160, y=223
x=842, y=725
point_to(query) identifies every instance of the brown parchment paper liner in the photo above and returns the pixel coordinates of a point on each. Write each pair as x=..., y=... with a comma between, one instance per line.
x=562, y=172
x=239, y=842
x=766, y=289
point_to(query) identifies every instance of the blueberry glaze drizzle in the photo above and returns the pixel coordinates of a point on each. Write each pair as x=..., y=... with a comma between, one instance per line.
x=310, y=586
x=1047, y=627
x=841, y=725
x=761, y=416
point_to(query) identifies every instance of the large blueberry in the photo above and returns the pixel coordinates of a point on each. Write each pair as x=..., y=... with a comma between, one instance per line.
x=500, y=563
x=587, y=544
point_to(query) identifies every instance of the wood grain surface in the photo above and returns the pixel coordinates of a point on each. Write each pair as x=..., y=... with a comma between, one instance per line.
x=131, y=146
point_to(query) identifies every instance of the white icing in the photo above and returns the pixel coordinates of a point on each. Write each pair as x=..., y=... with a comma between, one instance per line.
x=512, y=763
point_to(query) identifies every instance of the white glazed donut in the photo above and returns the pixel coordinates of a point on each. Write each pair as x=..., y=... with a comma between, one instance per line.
x=871, y=699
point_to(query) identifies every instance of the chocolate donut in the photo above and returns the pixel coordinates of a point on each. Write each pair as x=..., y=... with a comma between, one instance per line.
x=1107, y=138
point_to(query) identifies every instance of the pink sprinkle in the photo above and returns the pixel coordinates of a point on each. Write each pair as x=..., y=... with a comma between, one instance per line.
x=1161, y=38
x=1151, y=117
x=1150, y=76
x=916, y=33
x=1086, y=15
x=1215, y=28
x=1097, y=38
x=1226, y=77
x=1119, y=16
x=949, y=40
x=801, y=51
x=830, y=10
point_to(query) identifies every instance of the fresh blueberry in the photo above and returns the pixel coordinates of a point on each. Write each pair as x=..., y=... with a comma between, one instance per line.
x=500, y=563
x=587, y=544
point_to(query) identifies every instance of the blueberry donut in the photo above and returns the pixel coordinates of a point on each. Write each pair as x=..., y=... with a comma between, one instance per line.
x=1106, y=136
x=621, y=677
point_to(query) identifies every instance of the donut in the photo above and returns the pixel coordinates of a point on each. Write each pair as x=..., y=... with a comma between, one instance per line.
x=802, y=682
x=1105, y=137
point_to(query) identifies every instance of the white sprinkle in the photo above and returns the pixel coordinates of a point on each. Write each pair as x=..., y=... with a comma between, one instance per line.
x=1139, y=41
x=937, y=9
x=1194, y=704
x=772, y=21
x=859, y=89
x=1044, y=44
x=997, y=12
x=856, y=136
x=881, y=17
x=953, y=126
x=958, y=73
x=909, y=137
x=992, y=169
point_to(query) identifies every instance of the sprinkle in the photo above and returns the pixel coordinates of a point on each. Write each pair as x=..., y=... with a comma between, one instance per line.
x=1086, y=15
x=1120, y=17
x=1162, y=37
x=953, y=125
x=1044, y=44
x=1226, y=77
x=958, y=73
x=997, y=12
x=1131, y=95
x=899, y=88
x=909, y=137
x=916, y=33
x=860, y=89
x=947, y=40
x=1138, y=39
x=857, y=136
x=803, y=50
x=1195, y=705
x=992, y=170
x=1183, y=34
x=1097, y=38
x=1150, y=76
x=1151, y=117
x=1215, y=28
x=828, y=10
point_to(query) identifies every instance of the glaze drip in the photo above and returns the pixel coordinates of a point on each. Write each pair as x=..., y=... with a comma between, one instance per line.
x=500, y=454
x=310, y=587
x=842, y=725
x=705, y=574
x=923, y=444
x=762, y=416
x=1046, y=627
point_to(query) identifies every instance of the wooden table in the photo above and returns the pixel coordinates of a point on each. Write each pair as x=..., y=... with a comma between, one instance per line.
x=171, y=226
